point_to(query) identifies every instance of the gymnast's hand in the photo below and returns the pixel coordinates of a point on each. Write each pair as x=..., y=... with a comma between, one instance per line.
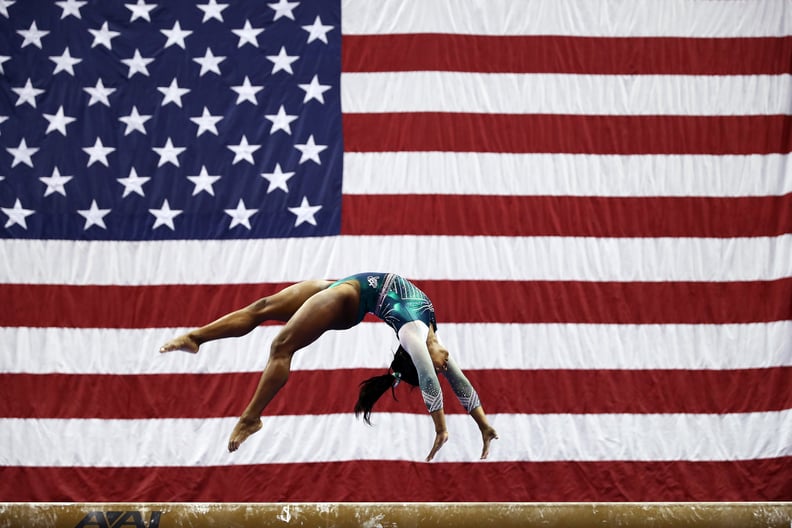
x=441, y=432
x=439, y=357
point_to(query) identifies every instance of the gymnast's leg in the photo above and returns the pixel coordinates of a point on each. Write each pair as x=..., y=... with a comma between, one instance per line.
x=277, y=307
x=331, y=309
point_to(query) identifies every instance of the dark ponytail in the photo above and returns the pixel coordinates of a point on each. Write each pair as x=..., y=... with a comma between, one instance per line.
x=401, y=369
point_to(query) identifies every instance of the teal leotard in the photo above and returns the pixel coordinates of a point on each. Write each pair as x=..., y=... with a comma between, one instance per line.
x=392, y=298
x=397, y=301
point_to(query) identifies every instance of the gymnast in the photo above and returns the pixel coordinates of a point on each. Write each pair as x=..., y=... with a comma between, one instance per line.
x=310, y=308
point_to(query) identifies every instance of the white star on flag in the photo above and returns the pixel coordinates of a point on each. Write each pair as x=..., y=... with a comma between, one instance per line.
x=173, y=93
x=305, y=212
x=98, y=153
x=206, y=122
x=314, y=90
x=282, y=61
x=70, y=7
x=17, y=214
x=27, y=94
x=164, y=215
x=310, y=151
x=94, y=216
x=246, y=91
x=209, y=63
x=217, y=98
x=22, y=154
x=212, y=10
x=137, y=64
x=240, y=215
x=99, y=94
x=133, y=183
x=55, y=183
x=203, y=182
x=176, y=35
x=283, y=8
x=168, y=153
x=58, y=121
x=248, y=34
x=140, y=10
x=281, y=121
x=4, y=5
x=64, y=62
x=277, y=179
x=243, y=151
x=103, y=36
x=32, y=35
x=134, y=122
x=317, y=30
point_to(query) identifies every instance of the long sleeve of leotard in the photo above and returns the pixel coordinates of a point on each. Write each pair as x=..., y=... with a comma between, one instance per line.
x=432, y=394
x=461, y=386
x=412, y=337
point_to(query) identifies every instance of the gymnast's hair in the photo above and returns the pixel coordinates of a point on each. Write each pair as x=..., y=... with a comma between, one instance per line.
x=401, y=369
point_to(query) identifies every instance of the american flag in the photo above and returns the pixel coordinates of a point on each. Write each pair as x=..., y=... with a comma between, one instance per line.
x=595, y=195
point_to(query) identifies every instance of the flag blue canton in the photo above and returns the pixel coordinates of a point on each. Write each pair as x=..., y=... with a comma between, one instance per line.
x=145, y=120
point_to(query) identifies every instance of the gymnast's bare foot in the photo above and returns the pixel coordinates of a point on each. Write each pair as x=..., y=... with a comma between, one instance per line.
x=184, y=343
x=244, y=428
x=488, y=434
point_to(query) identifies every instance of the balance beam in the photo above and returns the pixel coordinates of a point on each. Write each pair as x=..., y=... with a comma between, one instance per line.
x=375, y=515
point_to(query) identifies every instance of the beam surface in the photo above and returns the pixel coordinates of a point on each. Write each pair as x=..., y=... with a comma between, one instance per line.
x=373, y=515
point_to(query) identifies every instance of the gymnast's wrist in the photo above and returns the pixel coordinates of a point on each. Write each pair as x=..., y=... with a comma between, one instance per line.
x=438, y=417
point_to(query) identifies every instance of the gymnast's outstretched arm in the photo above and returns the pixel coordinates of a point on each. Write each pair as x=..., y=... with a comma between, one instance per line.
x=413, y=338
x=430, y=357
x=470, y=401
x=464, y=391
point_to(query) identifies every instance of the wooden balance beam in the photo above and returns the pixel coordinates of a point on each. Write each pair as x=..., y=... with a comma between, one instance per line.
x=375, y=515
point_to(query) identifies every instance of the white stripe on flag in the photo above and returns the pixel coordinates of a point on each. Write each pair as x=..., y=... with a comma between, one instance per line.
x=565, y=174
x=459, y=258
x=396, y=436
x=370, y=345
x=508, y=93
x=608, y=18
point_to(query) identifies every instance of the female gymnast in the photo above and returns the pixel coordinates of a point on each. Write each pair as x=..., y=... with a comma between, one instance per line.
x=312, y=307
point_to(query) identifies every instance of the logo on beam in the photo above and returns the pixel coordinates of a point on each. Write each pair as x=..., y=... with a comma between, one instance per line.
x=120, y=519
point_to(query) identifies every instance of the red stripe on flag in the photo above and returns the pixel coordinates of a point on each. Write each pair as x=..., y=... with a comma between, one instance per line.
x=501, y=391
x=401, y=481
x=478, y=215
x=562, y=54
x=611, y=302
x=92, y=306
x=455, y=301
x=573, y=134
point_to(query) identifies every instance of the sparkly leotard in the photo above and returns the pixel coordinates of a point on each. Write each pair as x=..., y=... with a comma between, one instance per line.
x=397, y=301
x=392, y=298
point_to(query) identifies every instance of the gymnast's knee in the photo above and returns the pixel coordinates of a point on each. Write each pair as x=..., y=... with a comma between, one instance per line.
x=281, y=349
